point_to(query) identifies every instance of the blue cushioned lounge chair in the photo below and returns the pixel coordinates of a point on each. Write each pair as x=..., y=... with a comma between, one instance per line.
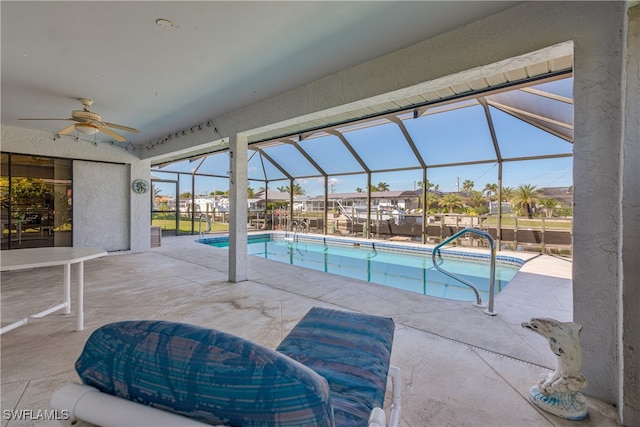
x=331, y=370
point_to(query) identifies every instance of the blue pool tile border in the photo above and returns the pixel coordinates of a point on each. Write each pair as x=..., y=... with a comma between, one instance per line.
x=395, y=247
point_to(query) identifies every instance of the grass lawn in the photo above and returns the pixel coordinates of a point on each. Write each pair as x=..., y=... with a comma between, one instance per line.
x=169, y=223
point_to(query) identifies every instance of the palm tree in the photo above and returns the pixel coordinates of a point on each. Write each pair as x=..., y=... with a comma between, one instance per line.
x=359, y=190
x=468, y=185
x=450, y=201
x=382, y=186
x=297, y=190
x=526, y=196
x=549, y=206
x=429, y=185
x=432, y=199
x=490, y=190
x=476, y=199
x=251, y=193
x=507, y=194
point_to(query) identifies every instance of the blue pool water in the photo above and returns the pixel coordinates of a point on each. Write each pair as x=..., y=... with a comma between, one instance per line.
x=408, y=268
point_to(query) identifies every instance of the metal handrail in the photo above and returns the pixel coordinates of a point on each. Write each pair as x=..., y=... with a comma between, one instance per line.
x=292, y=242
x=208, y=230
x=302, y=225
x=492, y=271
x=295, y=227
x=291, y=226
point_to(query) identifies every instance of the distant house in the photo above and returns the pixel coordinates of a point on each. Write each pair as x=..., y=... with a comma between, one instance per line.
x=260, y=200
x=564, y=195
x=163, y=202
x=383, y=200
x=205, y=204
x=493, y=207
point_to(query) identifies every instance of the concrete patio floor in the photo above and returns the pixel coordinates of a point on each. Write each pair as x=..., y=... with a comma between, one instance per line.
x=460, y=367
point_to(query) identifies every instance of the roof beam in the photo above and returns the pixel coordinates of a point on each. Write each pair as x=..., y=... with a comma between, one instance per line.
x=407, y=136
x=506, y=108
x=526, y=117
x=307, y=156
x=353, y=152
x=274, y=163
x=547, y=95
x=491, y=90
x=492, y=129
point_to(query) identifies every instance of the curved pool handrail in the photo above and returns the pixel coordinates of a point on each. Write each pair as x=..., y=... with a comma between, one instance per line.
x=202, y=232
x=375, y=251
x=492, y=272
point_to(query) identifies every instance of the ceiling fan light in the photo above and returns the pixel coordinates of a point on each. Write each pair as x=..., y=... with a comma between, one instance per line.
x=86, y=128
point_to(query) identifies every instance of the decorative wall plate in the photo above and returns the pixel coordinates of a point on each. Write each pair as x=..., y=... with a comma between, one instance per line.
x=140, y=186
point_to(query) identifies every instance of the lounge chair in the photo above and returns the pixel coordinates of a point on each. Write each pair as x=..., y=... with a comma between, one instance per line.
x=331, y=370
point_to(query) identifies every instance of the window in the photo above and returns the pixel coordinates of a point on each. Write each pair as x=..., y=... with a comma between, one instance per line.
x=36, y=196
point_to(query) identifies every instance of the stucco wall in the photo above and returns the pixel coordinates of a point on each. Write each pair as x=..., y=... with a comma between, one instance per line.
x=597, y=162
x=630, y=230
x=88, y=185
x=101, y=205
x=140, y=209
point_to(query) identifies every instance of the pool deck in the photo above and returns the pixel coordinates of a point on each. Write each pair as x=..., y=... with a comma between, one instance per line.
x=460, y=367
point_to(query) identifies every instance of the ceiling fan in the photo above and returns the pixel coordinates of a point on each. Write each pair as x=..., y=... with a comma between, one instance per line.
x=90, y=123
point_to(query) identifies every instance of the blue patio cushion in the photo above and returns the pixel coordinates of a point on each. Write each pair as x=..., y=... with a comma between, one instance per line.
x=352, y=351
x=203, y=374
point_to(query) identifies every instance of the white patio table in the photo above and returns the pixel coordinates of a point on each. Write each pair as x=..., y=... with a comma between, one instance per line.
x=23, y=259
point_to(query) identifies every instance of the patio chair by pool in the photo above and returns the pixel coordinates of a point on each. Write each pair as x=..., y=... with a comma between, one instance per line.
x=331, y=370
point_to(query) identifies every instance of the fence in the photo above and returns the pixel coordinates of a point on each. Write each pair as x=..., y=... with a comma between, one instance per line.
x=516, y=233
x=547, y=235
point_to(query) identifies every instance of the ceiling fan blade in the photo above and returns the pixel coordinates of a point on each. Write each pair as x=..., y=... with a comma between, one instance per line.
x=125, y=128
x=67, y=130
x=112, y=134
x=88, y=122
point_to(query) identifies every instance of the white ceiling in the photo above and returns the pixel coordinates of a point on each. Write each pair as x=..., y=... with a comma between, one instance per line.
x=220, y=57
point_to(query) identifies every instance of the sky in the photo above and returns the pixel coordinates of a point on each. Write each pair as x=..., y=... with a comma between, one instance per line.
x=459, y=135
x=387, y=149
x=541, y=173
x=556, y=172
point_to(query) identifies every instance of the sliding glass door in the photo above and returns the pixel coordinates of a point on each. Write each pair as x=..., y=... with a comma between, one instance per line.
x=36, y=197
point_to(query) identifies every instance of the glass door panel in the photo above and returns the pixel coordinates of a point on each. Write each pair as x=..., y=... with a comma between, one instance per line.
x=164, y=205
x=36, y=195
x=5, y=224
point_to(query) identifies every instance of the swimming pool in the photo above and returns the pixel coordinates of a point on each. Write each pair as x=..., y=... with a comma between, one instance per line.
x=403, y=267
